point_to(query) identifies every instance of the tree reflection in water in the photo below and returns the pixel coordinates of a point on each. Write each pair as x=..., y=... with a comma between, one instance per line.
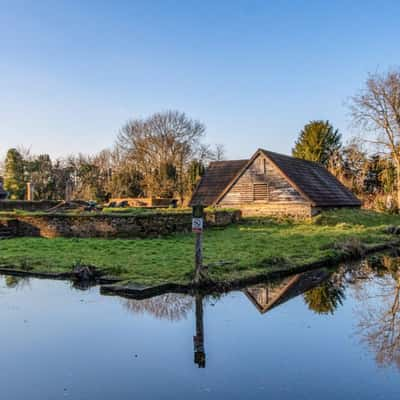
x=16, y=281
x=170, y=306
x=325, y=298
x=379, y=313
x=377, y=308
x=330, y=294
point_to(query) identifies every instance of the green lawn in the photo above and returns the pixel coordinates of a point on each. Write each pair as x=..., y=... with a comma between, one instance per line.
x=241, y=250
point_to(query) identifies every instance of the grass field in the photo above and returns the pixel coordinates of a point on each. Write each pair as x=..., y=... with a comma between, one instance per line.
x=238, y=251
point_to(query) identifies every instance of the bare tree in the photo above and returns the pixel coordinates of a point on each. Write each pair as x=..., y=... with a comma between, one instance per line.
x=162, y=147
x=377, y=109
x=219, y=152
x=350, y=166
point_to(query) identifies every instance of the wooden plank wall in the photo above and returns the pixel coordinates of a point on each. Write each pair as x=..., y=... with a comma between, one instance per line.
x=261, y=171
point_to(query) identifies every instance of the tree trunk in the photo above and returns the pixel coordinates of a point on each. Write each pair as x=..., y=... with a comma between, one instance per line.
x=398, y=182
x=182, y=183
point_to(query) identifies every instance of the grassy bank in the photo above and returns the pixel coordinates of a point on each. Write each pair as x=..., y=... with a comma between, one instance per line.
x=238, y=251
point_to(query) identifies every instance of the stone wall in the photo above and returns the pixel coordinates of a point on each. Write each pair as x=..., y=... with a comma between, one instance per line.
x=156, y=202
x=291, y=209
x=9, y=226
x=42, y=205
x=116, y=226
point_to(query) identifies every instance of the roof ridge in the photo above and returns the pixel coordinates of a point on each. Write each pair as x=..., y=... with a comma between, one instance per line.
x=292, y=157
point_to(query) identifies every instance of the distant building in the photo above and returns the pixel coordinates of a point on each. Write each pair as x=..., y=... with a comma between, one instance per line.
x=272, y=184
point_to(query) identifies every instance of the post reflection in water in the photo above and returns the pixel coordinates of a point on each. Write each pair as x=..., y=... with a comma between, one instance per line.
x=174, y=307
x=198, y=339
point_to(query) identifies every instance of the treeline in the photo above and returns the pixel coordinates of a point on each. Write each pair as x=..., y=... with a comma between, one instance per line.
x=370, y=164
x=371, y=176
x=163, y=156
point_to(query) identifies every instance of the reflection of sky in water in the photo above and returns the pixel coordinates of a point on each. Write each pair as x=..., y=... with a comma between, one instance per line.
x=271, y=340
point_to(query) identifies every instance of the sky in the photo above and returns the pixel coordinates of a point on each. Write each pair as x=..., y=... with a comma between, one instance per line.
x=254, y=72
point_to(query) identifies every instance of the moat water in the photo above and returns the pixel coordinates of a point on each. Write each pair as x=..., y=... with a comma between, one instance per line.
x=331, y=334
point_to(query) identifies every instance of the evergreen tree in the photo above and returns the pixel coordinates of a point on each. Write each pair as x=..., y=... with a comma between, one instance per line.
x=318, y=141
x=40, y=173
x=14, y=181
x=196, y=171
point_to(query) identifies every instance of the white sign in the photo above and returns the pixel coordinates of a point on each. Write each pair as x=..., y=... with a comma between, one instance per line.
x=197, y=225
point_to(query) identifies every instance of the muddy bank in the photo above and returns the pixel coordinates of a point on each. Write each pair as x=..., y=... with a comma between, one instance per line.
x=96, y=277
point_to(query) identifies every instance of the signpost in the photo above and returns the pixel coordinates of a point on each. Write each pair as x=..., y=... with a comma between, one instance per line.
x=197, y=225
x=197, y=228
x=198, y=339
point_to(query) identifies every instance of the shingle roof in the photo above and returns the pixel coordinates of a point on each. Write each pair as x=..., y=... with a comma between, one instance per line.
x=314, y=181
x=216, y=178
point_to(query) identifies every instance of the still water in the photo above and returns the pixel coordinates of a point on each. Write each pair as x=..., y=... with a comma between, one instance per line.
x=325, y=334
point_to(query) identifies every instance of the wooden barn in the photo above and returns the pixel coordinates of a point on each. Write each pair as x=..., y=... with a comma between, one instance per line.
x=272, y=184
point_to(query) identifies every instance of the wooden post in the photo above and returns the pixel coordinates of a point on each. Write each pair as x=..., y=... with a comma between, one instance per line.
x=29, y=191
x=198, y=340
x=198, y=257
x=197, y=228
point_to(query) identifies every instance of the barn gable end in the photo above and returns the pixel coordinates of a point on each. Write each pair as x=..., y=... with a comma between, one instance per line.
x=260, y=182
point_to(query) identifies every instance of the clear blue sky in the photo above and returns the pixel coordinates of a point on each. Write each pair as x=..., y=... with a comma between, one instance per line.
x=72, y=72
